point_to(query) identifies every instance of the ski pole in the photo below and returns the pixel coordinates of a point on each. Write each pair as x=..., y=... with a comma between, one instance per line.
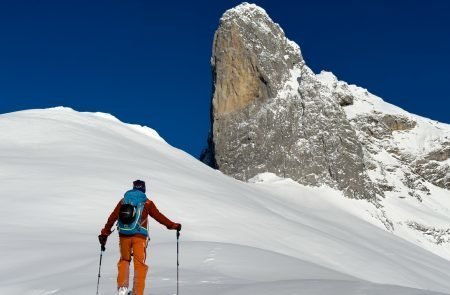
x=178, y=262
x=99, y=267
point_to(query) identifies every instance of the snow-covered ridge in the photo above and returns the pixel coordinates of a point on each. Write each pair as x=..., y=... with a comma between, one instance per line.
x=321, y=131
x=67, y=179
x=367, y=102
x=407, y=156
x=426, y=136
x=96, y=118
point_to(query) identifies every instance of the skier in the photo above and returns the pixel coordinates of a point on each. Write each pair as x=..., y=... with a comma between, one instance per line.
x=131, y=213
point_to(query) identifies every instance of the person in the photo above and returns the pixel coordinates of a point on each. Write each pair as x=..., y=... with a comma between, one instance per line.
x=131, y=215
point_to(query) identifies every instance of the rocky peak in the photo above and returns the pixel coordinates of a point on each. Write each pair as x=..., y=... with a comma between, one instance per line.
x=249, y=13
x=252, y=53
x=270, y=113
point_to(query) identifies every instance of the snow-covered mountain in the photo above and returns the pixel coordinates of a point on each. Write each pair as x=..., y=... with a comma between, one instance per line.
x=63, y=171
x=272, y=113
x=406, y=157
x=345, y=193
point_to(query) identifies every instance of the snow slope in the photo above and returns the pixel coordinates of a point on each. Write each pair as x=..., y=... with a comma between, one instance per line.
x=62, y=172
x=410, y=164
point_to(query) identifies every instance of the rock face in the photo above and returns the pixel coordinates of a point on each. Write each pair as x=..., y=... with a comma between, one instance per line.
x=434, y=166
x=245, y=67
x=271, y=114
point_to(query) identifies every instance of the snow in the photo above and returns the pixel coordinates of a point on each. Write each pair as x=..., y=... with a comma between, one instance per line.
x=327, y=78
x=367, y=102
x=428, y=135
x=401, y=209
x=425, y=137
x=63, y=172
x=245, y=11
x=291, y=84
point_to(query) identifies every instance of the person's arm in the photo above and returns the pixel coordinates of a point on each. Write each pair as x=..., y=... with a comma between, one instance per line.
x=158, y=216
x=106, y=231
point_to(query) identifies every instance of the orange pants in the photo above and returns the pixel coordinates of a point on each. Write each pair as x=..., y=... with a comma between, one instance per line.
x=132, y=246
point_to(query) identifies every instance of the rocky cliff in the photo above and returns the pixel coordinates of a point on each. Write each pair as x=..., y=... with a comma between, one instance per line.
x=271, y=113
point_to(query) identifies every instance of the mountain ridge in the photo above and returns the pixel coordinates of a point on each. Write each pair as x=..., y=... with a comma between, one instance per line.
x=310, y=127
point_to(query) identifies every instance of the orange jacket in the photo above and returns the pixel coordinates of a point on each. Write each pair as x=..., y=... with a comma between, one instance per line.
x=149, y=209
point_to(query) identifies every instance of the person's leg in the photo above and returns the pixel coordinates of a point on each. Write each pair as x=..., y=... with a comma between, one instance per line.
x=139, y=245
x=123, y=265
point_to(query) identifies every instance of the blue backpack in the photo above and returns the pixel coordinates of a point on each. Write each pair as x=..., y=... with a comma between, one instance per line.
x=130, y=214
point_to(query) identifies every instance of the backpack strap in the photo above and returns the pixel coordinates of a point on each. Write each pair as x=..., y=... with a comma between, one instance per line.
x=141, y=222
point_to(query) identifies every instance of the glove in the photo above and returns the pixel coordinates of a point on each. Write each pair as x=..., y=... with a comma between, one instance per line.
x=176, y=226
x=102, y=239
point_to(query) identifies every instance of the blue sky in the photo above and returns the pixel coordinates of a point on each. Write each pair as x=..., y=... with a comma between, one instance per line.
x=147, y=62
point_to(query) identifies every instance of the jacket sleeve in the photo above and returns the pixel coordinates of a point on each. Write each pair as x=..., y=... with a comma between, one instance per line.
x=111, y=220
x=158, y=216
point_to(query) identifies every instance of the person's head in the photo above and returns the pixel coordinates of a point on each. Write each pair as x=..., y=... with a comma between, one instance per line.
x=139, y=185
